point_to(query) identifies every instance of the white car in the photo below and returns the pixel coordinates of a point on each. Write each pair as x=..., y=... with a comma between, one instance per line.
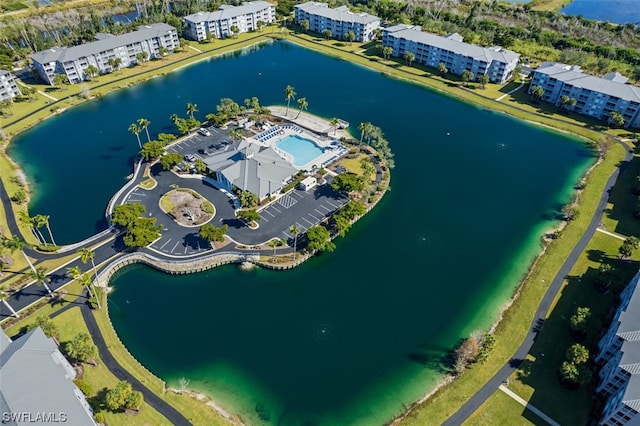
x=204, y=132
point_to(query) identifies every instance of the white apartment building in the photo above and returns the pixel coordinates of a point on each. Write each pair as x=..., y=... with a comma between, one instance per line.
x=339, y=20
x=73, y=61
x=245, y=17
x=8, y=86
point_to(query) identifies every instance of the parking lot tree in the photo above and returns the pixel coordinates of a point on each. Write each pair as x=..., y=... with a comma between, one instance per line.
x=347, y=183
x=170, y=160
x=289, y=93
x=152, y=150
x=143, y=123
x=319, y=239
x=135, y=129
x=201, y=166
x=212, y=233
x=250, y=215
x=166, y=137
x=342, y=224
x=248, y=199
x=295, y=231
x=125, y=215
x=302, y=106
x=236, y=134
x=142, y=232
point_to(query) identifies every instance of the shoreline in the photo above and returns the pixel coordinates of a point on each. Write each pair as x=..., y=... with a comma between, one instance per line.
x=522, y=282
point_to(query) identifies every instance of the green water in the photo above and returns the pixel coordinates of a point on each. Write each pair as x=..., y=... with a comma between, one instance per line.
x=351, y=336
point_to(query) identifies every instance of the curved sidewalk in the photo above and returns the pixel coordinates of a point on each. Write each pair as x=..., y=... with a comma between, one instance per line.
x=512, y=364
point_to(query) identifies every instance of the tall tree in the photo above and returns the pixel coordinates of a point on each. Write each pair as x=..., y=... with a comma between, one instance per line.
x=350, y=36
x=39, y=275
x=409, y=57
x=133, y=128
x=483, y=79
x=43, y=220
x=616, y=118
x=295, y=231
x=289, y=93
x=302, y=105
x=273, y=244
x=28, y=221
x=235, y=30
x=537, y=92
x=364, y=128
x=143, y=123
x=17, y=243
x=442, y=68
x=334, y=123
x=86, y=281
x=327, y=33
x=387, y=51
x=191, y=109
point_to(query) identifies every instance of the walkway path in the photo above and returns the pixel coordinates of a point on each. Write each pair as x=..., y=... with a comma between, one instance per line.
x=39, y=91
x=545, y=304
x=197, y=50
x=512, y=91
x=529, y=407
x=618, y=236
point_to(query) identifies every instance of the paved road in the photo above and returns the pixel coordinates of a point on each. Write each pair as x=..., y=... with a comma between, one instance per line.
x=541, y=314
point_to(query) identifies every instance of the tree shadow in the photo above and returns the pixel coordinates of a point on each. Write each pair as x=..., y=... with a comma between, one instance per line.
x=623, y=200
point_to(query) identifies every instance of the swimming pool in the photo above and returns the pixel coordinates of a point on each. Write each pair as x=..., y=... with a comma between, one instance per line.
x=301, y=150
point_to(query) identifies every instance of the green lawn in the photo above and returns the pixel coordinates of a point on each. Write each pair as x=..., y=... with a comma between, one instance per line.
x=503, y=410
x=100, y=378
x=622, y=203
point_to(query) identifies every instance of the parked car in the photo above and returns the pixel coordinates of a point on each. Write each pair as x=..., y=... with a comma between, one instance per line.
x=204, y=132
x=190, y=158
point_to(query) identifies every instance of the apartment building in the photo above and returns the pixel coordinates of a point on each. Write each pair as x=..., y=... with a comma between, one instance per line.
x=73, y=61
x=595, y=96
x=431, y=50
x=245, y=17
x=339, y=20
x=8, y=86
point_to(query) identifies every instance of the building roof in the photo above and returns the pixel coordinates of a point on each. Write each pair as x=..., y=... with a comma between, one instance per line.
x=253, y=168
x=612, y=84
x=342, y=13
x=4, y=72
x=103, y=43
x=228, y=11
x=453, y=43
x=36, y=378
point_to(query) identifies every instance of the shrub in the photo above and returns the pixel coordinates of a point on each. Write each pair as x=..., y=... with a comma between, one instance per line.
x=19, y=197
x=84, y=387
x=100, y=417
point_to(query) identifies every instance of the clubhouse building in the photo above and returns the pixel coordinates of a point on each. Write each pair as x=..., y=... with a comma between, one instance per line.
x=339, y=20
x=73, y=61
x=619, y=361
x=8, y=86
x=596, y=97
x=245, y=17
x=431, y=50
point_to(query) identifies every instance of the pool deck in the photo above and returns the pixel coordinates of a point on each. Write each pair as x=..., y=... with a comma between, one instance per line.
x=311, y=122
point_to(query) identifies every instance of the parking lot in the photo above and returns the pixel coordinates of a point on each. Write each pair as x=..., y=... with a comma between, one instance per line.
x=200, y=145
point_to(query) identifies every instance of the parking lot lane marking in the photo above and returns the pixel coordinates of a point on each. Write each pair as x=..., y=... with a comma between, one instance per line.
x=273, y=207
x=299, y=195
x=133, y=201
x=303, y=229
x=319, y=212
x=172, y=149
x=264, y=218
x=326, y=208
x=185, y=249
x=165, y=244
x=175, y=245
x=311, y=223
x=269, y=213
x=314, y=216
x=287, y=235
x=213, y=130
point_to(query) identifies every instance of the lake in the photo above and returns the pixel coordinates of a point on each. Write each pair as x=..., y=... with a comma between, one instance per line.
x=353, y=336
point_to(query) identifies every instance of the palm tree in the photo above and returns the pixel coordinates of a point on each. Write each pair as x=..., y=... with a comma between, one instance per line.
x=236, y=134
x=387, y=51
x=143, y=123
x=26, y=220
x=409, y=57
x=43, y=220
x=334, y=123
x=4, y=296
x=88, y=255
x=17, y=243
x=302, y=105
x=86, y=281
x=616, y=118
x=191, y=109
x=260, y=24
x=133, y=128
x=294, y=230
x=327, y=33
x=364, y=128
x=74, y=272
x=442, y=68
x=273, y=244
x=289, y=93
x=39, y=275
